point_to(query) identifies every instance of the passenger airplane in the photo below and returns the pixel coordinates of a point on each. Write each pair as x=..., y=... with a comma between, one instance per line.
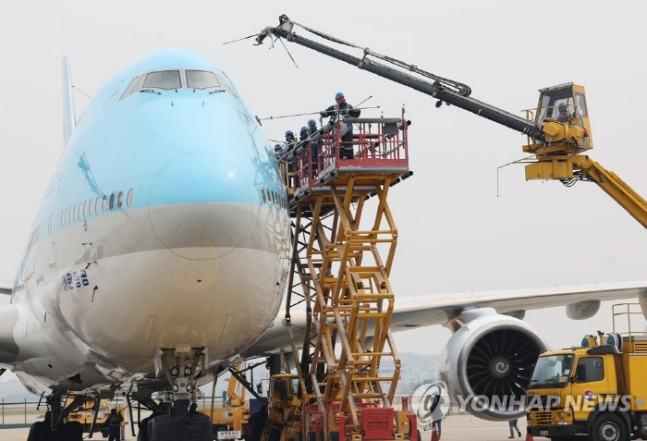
x=155, y=262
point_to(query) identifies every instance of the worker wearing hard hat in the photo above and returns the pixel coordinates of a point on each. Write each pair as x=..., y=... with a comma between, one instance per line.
x=312, y=126
x=290, y=141
x=341, y=108
x=288, y=147
x=304, y=133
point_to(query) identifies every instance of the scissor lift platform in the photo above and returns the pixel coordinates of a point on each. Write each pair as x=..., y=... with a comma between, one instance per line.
x=380, y=153
x=339, y=273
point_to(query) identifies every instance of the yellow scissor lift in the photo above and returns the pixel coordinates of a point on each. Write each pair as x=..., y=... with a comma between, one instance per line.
x=339, y=273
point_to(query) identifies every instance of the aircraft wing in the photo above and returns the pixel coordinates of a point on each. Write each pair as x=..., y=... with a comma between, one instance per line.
x=581, y=301
x=414, y=312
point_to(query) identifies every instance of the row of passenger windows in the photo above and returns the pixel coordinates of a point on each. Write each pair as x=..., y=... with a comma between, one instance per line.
x=175, y=79
x=94, y=207
x=272, y=197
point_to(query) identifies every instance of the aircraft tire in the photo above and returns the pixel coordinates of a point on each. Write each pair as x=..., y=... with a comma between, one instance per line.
x=71, y=432
x=255, y=425
x=41, y=431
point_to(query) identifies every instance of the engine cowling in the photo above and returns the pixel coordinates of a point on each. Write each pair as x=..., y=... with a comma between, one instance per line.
x=489, y=362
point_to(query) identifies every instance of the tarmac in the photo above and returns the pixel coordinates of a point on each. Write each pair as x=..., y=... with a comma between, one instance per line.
x=453, y=428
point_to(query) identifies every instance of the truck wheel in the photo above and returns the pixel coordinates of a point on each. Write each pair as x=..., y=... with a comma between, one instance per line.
x=609, y=427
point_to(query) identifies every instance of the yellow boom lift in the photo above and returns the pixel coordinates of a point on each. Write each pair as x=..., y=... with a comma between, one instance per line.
x=558, y=131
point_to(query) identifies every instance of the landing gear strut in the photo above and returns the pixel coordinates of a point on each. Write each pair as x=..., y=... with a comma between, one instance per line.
x=181, y=368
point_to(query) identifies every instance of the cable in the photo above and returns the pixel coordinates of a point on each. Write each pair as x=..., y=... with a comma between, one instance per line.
x=569, y=182
x=460, y=88
x=80, y=91
x=240, y=39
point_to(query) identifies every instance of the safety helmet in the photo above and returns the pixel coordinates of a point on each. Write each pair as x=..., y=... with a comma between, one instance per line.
x=304, y=129
x=277, y=146
x=339, y=95
x=288, y=133
x=312, y=122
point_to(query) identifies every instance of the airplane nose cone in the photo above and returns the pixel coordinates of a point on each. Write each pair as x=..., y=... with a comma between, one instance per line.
x=199, y=206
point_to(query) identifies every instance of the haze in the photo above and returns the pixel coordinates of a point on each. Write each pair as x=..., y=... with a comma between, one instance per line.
x=455, y=233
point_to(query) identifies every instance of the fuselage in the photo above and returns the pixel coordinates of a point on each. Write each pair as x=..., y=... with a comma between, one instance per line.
x=164, y=226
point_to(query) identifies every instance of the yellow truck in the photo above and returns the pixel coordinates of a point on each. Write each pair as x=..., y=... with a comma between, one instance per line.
x=597, y=390
x=84, y=414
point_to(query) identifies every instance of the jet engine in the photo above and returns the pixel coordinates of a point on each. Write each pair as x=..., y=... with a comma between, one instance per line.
x=489, y=362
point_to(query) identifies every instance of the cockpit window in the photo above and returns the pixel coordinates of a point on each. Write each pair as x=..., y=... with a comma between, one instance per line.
x=200, y=79
x=165, y=79
x=176, y=79
x=131, y=87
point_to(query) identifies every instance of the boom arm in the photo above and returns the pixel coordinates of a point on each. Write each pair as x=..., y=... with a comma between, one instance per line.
x=445, y=90
x=612, y=185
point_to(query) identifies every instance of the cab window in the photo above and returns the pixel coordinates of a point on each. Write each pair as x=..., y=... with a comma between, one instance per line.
x=165, y=79
x=581, y=104
x=294, y=386
x=589, y=369
x=200, y=79
x=551, y=101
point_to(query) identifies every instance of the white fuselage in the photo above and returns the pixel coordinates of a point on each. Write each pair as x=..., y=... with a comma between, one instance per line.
x=188, y=250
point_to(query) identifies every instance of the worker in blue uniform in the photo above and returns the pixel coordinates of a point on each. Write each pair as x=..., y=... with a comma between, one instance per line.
x=337, y=112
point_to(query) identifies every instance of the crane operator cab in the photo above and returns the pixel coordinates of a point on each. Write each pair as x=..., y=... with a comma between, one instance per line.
x=563, y=117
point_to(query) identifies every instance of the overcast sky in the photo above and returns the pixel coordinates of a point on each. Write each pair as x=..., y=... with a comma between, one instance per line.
x=456, y=235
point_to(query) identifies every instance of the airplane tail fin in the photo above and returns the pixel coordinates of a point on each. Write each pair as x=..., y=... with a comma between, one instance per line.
x=69, y=116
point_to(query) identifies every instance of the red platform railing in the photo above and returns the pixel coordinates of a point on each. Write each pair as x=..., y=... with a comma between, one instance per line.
x=376, y=144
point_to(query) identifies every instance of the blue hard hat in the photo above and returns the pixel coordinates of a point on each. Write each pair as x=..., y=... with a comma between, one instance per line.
x=288, y=132
x=304, y=129
x=312, y=122
x=277, y=146
x=339, y=95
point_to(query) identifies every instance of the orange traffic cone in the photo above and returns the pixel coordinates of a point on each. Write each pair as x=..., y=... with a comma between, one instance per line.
x=529, y=437
x=434, y=432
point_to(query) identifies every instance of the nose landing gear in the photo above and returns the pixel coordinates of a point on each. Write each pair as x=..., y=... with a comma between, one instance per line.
x=181, y=369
